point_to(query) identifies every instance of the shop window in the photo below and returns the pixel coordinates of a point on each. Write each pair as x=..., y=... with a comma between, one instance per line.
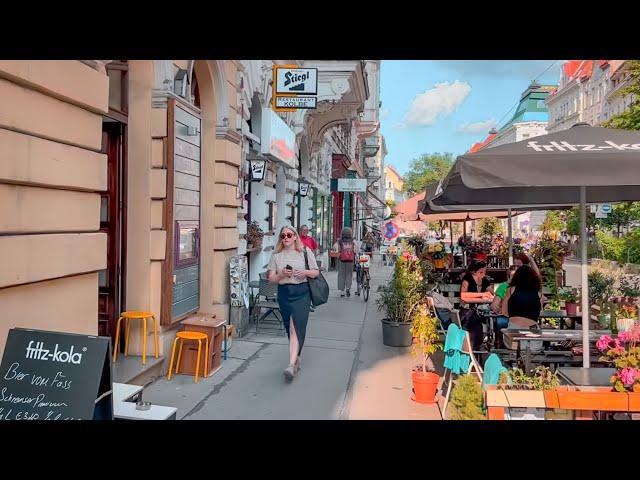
x=187, y=243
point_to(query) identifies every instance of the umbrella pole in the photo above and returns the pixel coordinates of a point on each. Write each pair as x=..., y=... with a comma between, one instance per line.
x=464, y=239
x=584, y=278
x=510, y=234
x=451, y=234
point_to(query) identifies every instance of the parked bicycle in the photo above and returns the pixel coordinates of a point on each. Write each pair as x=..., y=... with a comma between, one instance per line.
x=363, y=279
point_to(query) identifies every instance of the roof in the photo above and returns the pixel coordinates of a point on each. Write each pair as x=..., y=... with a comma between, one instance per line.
x=532, y=106
x=408, y=210
x=480, y=145
x=390, y=167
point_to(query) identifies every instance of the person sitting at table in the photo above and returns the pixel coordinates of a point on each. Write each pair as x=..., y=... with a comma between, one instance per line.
x=502, y=321
x=475, y=289
x=523, y=300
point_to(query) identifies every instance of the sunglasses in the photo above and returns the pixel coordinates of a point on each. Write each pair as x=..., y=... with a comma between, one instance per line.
x=286, y=235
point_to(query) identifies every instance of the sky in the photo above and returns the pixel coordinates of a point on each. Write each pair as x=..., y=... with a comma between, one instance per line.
x=431, y=106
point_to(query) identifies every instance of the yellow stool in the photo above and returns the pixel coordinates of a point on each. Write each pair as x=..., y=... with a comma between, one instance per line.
x=196, y=336
x=135, y=315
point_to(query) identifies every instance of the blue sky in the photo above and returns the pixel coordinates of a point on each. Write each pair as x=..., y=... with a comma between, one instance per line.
x=433, y=106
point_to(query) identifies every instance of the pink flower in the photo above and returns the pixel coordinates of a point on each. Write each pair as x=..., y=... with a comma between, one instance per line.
x=624, y=337
x=603, y=343
x=628, y=376
x=618, y=350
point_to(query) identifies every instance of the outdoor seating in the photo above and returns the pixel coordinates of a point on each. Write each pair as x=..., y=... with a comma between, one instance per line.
x=128, y=317
x=268, y=300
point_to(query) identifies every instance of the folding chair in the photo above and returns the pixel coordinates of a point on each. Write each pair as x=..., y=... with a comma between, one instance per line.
x=268, y=291
x=461, y=349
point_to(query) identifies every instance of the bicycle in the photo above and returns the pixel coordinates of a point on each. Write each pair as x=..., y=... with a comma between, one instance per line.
x=363, y=279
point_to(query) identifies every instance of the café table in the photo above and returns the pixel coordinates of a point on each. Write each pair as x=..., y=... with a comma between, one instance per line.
x=586, y=377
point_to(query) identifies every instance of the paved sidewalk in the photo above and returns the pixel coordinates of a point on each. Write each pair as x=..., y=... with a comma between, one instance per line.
x=346, y=372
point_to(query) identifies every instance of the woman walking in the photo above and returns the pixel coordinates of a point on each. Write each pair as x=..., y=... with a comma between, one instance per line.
x=346, y=249
x=287, y=268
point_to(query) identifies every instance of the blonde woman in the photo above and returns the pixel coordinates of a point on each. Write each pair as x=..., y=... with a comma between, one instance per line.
x=287, y=268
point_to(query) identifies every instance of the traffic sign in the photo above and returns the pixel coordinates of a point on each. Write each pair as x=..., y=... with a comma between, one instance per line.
x=606, y=208
x=390, y=231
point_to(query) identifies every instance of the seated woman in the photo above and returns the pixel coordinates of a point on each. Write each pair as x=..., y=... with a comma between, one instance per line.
x=475, y=289
x=523, y=300
x=502, y=321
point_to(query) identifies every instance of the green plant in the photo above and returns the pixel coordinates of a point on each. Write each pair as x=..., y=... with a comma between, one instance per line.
x=613, y=248
x=630, y=285
x=254, y=233
x=405, y=292
x=553, y=222
x=549, y=256
x=517, y=379
x=466, y=399
x=600, y=287
x=624, y=353
x=424, y=330
x=568, y=295
x=489, y=226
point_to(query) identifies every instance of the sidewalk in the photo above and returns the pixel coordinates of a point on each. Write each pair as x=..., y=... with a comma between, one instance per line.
x=346, y=372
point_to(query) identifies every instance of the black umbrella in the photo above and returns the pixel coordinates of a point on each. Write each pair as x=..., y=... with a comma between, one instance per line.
x=581, y=165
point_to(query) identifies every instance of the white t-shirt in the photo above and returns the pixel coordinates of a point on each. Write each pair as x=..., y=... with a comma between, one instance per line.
x=295, y=259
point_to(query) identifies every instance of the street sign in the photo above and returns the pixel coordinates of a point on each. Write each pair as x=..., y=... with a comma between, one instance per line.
x=300, y=81
x=55, y=376
x=352, y=184
x=606, y=208
x=295, y=102
x=390, y=231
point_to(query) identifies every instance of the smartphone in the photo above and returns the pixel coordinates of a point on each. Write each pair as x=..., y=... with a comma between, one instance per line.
x=288, y=267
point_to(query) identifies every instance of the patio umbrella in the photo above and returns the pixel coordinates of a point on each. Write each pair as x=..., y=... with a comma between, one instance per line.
x=581, y=165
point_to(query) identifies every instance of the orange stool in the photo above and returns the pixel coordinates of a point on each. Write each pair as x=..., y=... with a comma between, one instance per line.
x=136, y=315
x=195, y=336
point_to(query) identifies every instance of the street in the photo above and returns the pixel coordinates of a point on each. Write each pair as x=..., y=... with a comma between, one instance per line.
x=347, y=373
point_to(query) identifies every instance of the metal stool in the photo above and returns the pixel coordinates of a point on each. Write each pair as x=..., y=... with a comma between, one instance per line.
x=136, y=315
x=195, y=336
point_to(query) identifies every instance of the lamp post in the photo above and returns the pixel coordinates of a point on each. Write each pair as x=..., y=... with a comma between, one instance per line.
x=303, y=187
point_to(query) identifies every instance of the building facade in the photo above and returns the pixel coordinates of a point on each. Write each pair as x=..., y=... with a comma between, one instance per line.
x=394, y=185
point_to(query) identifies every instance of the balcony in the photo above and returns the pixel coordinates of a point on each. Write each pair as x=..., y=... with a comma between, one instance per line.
x=370, y=146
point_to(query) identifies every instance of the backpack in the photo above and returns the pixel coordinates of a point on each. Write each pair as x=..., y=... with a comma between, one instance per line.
x=347, y=252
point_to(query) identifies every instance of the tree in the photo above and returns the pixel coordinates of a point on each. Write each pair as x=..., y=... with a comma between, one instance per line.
x=553, y=222
x=429, y=168
x=489, y=226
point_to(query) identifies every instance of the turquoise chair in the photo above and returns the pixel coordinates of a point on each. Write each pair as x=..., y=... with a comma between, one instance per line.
x=492, y=369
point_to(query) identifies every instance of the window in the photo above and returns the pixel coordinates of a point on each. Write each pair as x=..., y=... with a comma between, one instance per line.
x=187, y=243
x=271, y=219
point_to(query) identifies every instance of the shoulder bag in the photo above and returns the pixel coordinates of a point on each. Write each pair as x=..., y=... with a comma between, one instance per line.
x=318, y=287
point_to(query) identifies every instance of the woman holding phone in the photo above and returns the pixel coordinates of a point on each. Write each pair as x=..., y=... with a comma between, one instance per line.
x=288, y=268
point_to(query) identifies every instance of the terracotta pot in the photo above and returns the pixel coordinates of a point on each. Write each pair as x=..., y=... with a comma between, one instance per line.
x=571, y=308
x=425, y=386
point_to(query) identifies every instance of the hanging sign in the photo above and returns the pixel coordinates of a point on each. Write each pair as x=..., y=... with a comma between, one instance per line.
x=390, y=231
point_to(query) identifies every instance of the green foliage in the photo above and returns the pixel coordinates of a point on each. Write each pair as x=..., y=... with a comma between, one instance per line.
x=549, y=256
x=543, y=378
x=630, y=285
x=429, y=168
x=489, y=226
x=553, y=222
x=568, y=294
x=466, y=399
x=424, y=330
x=613, y=248
x=601, y=287
x=405, y=292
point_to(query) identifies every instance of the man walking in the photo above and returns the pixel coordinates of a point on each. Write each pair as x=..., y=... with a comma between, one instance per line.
x=309, y=242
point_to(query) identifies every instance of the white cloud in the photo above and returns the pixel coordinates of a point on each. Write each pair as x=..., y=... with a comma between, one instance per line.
x=384, y=113
x=443, y=99
x=477, y=127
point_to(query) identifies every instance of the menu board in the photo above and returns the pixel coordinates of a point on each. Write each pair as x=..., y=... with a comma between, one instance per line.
x=55, y=376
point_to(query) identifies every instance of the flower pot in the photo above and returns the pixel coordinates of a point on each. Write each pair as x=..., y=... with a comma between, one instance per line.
x=480, y=256
x=571, y=308
x=625, y=324
x=396, y=334
x=425, y=386
x=439, y=263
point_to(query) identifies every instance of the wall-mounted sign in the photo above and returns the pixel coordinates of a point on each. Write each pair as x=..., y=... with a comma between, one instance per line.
x=301, y=81
x=296, y=102
x=352, y=184
x=277, y=140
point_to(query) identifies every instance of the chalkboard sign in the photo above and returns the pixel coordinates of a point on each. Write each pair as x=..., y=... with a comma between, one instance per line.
x=55, y=376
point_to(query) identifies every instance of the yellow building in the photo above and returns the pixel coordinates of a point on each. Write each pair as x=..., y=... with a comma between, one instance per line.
x=118, y=191
x=393, y=185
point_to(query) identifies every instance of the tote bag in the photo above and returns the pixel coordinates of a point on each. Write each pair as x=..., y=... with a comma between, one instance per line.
x=318, y=287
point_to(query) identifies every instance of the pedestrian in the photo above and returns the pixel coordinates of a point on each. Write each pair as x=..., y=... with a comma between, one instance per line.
x=287, y=268
x=345, y=248
x=309, y=242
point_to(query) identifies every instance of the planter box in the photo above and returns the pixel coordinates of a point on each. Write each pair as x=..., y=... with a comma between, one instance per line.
x=559, y=414
x=516, y=398
x=593, y=398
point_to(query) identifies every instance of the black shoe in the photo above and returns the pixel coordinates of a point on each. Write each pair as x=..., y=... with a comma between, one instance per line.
x=342, y=294
x=348, y=293
x=311, y=309
x=357, y=293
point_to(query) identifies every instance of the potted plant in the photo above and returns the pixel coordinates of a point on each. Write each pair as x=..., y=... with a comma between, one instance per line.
x=424, y=329
x=254, y=235
x=630, y=287
x=626, y=317
x=466, y=399
x=600, y=292
x=399, y=299
x=623, y=352
x=570, y=298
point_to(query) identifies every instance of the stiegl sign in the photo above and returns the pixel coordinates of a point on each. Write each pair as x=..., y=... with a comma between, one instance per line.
x=300, y=81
